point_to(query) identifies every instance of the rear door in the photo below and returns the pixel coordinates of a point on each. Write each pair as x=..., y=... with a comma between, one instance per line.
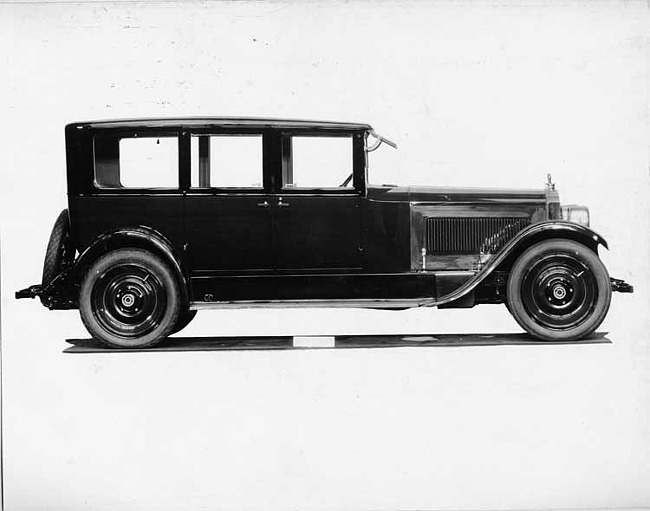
x=228, y=204
x=317, y=207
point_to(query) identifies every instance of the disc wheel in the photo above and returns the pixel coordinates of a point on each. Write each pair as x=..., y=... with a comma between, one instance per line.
x=559, y=290
x=129, y=299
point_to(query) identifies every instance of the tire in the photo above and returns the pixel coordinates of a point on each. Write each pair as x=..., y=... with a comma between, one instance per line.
x=559, y=290
x=184, y=319
x=130, y=299
x=59, y=252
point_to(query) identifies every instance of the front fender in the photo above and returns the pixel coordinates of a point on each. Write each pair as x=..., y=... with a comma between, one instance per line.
x=517, y=245
x=560, y=229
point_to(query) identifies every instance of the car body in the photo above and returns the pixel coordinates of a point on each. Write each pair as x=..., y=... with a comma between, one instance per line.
x=243, y=212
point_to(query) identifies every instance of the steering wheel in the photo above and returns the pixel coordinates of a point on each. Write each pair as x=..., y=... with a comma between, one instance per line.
x=347, y=181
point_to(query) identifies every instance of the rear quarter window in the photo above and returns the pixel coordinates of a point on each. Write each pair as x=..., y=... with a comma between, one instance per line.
x=136, y=162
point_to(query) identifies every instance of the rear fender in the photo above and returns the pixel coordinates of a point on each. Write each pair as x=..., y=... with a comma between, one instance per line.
x=134, y=237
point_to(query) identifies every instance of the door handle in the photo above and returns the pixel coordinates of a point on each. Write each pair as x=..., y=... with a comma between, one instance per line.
x=283, y=204
x=264, y=204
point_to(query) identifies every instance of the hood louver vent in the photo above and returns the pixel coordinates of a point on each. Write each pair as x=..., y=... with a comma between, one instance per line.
x=454, y=235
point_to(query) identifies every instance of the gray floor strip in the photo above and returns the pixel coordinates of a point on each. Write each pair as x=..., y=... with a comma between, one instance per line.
x=341, y=342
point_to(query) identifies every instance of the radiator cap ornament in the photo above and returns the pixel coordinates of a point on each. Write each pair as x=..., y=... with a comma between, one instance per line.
x=549, y=183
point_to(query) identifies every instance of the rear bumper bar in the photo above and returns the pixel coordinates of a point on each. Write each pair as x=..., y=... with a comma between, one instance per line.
x=620, y=286
x=57, y=295
x=30, y=292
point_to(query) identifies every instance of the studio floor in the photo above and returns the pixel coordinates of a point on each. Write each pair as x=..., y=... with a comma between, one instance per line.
x=422, y=417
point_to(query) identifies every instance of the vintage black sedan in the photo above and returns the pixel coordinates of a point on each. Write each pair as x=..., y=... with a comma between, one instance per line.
x=167, y=217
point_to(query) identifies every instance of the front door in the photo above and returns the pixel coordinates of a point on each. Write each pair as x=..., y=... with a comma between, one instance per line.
x=317, y=210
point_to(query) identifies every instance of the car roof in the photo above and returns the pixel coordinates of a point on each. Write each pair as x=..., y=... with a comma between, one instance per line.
x=219, y=122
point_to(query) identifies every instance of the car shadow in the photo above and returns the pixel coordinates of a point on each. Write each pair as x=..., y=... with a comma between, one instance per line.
x=340, y=342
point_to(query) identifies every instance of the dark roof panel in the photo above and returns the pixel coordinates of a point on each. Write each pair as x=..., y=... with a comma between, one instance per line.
x=219, y=122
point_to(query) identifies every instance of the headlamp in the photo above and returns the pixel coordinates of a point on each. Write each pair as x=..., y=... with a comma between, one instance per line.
x=576, y=214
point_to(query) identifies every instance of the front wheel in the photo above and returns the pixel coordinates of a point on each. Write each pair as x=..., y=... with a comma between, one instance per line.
x=559, y=290
x=129, y=299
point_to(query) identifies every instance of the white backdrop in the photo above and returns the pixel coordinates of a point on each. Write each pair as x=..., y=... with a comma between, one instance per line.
x=476, y=94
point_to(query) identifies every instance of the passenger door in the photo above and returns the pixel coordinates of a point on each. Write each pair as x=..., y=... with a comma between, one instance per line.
x=317, y=216
x=228, y=224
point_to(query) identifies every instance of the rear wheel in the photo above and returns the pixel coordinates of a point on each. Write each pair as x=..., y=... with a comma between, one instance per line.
x=184, y=319
x=129, y=299
x=559, y=290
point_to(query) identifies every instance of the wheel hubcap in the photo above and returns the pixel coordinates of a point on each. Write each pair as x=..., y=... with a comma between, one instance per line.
x=559, y=291
x=128, y=300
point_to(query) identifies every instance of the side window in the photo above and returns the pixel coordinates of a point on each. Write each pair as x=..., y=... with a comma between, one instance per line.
x=227, y=161
x=319, y=162
x=136, y=162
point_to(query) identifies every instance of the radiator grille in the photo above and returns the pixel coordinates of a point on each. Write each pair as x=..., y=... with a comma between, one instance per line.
x=454, y=235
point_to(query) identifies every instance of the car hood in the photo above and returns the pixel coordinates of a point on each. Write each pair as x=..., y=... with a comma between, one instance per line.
x=443, y=194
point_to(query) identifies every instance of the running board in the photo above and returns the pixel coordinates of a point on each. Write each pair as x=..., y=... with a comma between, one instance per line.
x=365, y=304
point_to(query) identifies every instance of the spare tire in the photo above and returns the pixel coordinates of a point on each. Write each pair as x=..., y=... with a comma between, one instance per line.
x=60, y=251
